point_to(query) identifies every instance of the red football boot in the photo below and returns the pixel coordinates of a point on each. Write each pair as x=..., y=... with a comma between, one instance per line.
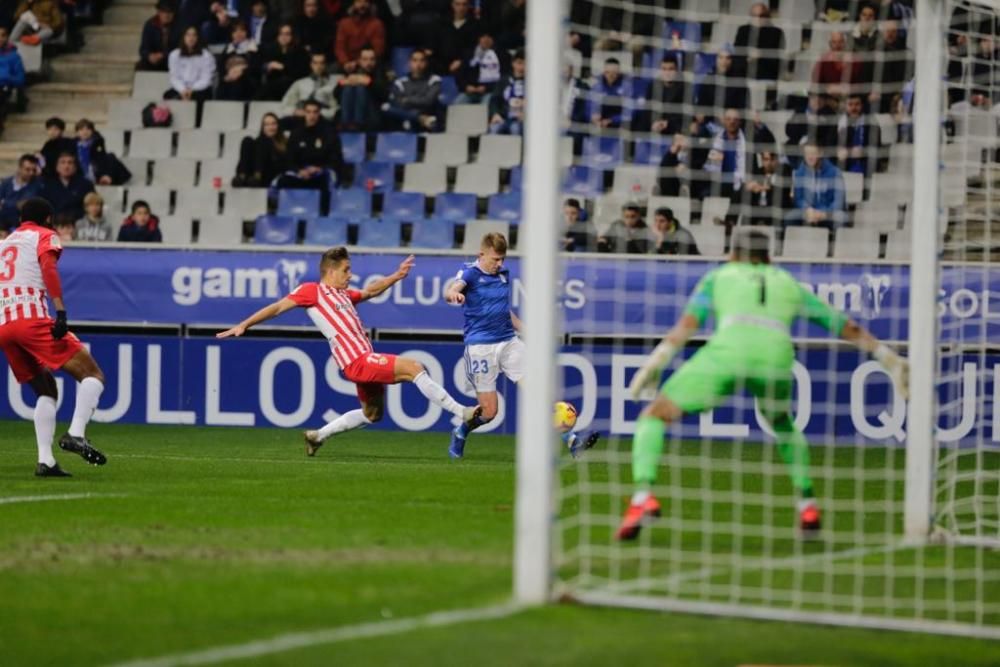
x=635, y=515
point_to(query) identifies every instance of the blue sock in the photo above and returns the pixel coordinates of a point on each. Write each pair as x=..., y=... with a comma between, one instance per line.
x=568, y=438
x=462, y=430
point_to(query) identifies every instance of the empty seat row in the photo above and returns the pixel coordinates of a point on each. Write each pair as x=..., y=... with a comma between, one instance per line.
x=357, y=202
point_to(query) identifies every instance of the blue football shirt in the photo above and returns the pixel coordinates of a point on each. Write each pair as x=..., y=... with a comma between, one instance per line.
x=487, y=305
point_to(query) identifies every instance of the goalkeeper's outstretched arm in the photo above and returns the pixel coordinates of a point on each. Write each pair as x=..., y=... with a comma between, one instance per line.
x=648, y=375
x=896, y=366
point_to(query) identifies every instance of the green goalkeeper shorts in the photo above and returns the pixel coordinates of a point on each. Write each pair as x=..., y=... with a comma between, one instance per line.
x=709, y=377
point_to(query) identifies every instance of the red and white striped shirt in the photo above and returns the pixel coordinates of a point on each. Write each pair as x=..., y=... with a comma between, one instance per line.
x=22, y=289
x=332, y=311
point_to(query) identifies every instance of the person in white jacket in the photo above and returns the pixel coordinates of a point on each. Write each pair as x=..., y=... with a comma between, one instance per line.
x=192, y=70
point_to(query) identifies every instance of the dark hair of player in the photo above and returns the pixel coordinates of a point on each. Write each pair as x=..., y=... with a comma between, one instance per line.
x=751, y=246
x=36, y=210
x=332, y=258
x=496, y=241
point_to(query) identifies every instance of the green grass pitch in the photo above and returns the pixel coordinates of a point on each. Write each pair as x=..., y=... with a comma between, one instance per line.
x=196, y=537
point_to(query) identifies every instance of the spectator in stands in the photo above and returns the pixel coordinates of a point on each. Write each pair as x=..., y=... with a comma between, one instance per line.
x=819, y=192
x=313, y=27
x=628, y=234
x=611, y=97
x=65, y=229
x=768, y=192
x=865, y=35
x=628, y=28
x=893, y=68
x=413, y=99
x=681, y=166
x=760, y=46
x=55, y=145
x=190, y=13
x=362, y=93
x=66, y=190
x=574, y=99
x=358, y=30
x=507, y=103
x=836, y=69
x=160, y=35
x=216, y=30
x=419, y=22
x=858, y=138
x=669, y=237
x=24, y=184
x=513, y=18
x=315, y=159
x=721, y=90
x=727, y=160
x=481, y=72
x=90, y=152
x=141, y=226
x=12, y=77
x=458, y=38
x=262, y=158
x=284, y=62
x=192, y=69
x=38, y=21
x=665, y=112
x=240, y=66
x=903, y=119
x=579, y=234
x=318, y=87
x=93, y=226
x=816, y=123
x=263, y=28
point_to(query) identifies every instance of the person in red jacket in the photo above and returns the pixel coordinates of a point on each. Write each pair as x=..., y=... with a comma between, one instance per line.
x=359, y=29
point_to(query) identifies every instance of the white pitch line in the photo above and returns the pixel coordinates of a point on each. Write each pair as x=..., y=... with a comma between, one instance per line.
x=10, y=500
x=297, y=640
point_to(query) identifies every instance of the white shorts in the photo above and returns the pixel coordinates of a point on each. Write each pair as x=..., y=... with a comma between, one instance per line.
x=484, y=363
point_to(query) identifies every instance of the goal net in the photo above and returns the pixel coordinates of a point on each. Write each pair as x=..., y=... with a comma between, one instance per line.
x=686, y=123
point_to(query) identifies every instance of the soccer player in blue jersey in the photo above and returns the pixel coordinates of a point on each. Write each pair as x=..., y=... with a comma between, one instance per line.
x=491, y=343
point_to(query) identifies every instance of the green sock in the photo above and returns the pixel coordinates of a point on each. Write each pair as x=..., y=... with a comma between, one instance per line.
x=794, y=450
x=647, y=447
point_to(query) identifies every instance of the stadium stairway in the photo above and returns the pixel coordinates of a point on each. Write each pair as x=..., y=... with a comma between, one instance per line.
x=80, y=85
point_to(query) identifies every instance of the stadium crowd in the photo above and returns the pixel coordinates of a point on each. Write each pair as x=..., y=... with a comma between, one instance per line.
x=650, y=85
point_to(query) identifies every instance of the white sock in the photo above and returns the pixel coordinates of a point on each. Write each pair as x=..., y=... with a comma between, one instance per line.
x=45, y=428
x=88, y=393
x=804, y=503
x=345, y=422
x=639, y=497
x=436, y=394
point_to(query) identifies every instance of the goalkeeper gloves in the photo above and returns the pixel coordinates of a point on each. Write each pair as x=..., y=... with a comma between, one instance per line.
x=61, y=327
x=648, y=375
x=897, y=367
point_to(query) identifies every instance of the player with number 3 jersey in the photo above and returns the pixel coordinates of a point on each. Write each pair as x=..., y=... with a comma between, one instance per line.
x=330, y=305
x=35, y=344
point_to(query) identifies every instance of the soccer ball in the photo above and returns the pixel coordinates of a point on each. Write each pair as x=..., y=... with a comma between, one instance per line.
x=564, y=416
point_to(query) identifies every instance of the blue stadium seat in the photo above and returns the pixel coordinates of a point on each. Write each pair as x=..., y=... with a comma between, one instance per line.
x=351, y=203
x=650, y=151
x=298, y=203
x=396, y=147
x=449, y=90
x=584, y=181
x=375, y=176
x=275, y=229
x=515, y=178
x=603, y=152
x=505, y=206
x=379, y=232
x=433, y=233
x=329, y=231
x=404, y=205
x=352, y=144
x=455, y=206
x=399, y=60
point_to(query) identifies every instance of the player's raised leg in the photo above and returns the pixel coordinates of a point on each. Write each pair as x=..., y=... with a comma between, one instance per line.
x=84, y=369
x=411, y=370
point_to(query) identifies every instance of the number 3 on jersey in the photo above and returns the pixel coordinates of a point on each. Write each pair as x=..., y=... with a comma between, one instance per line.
x=7, y=264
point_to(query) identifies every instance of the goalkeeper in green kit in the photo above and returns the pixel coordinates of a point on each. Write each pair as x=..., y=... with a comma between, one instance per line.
x=754, y=305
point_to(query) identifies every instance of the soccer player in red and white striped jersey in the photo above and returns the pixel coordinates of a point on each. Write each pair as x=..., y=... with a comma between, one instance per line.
x=330, y=305
x=35, y=344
